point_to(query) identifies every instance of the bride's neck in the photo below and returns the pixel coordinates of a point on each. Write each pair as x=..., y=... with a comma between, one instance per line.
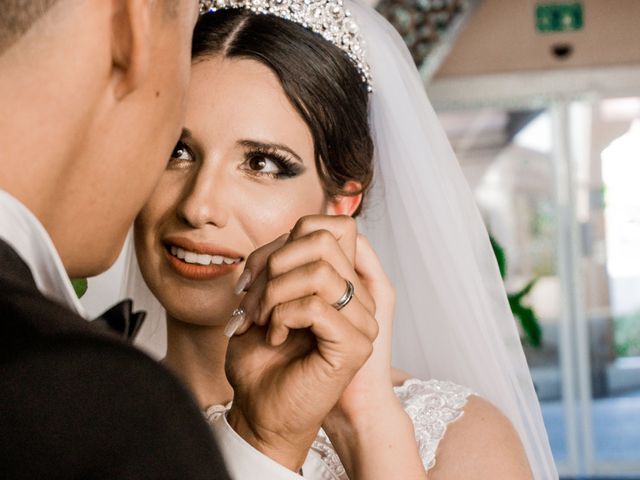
x=197, y=354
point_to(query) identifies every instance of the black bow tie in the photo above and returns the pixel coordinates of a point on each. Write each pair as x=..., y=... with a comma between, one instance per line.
x=121, y=319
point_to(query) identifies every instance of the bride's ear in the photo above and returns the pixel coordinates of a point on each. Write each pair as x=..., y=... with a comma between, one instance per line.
x=346, y=204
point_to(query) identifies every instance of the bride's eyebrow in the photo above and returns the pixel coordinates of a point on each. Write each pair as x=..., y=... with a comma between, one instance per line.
x=275, y=146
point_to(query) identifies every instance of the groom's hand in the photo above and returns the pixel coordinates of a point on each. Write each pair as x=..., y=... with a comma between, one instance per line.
x=291, y=367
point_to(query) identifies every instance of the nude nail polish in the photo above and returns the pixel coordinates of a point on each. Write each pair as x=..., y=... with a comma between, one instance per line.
x=243, y=282
x=236, y=320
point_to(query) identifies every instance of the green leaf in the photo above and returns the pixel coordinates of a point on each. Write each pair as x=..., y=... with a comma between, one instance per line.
x=526, y=316
x=80, y=285
x=530, y=325
x=498, y=251
x=524, y=292
x=523, y=314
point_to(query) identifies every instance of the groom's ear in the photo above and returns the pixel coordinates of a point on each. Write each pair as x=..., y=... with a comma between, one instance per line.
x=346, y=204
x=131, y=43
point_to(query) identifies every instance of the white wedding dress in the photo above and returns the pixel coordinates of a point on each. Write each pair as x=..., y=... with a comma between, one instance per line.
x=432, y=405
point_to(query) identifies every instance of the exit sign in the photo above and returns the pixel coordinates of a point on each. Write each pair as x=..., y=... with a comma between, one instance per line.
x=559, y=17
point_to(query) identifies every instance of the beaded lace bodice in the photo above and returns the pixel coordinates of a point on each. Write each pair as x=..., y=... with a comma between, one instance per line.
x=432, y=405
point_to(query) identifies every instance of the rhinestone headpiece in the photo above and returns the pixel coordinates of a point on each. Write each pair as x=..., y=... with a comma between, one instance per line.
x=328, y=18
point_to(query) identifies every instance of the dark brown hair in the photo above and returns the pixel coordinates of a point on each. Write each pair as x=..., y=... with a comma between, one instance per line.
x=321, y=82
x=17, y=16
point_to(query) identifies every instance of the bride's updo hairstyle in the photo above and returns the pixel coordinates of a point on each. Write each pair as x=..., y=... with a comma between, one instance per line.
x=321, y=82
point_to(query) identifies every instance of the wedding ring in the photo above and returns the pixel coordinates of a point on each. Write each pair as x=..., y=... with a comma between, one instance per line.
x=346, y=298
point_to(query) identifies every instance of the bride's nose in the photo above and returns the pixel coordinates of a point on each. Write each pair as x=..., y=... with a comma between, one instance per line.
x=205, y=202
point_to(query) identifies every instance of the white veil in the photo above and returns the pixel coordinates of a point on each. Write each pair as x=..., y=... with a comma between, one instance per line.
x=453, y=320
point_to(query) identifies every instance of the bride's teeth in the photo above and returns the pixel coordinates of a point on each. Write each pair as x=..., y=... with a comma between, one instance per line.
x=191, y=257
x=204, y=259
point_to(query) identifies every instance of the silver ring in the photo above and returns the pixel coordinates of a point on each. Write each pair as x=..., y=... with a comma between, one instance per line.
x=346, y=298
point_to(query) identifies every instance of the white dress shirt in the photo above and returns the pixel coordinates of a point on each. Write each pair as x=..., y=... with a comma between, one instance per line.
x=25, y=234
x=246, y=463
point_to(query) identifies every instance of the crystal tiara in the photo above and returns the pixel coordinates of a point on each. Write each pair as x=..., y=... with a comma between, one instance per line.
x=328, y=18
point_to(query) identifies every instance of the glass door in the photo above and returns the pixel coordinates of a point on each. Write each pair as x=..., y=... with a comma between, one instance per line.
x=559, y=189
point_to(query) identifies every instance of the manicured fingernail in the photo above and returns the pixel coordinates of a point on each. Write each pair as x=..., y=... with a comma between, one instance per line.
x=242, y=329
x=237, y=319
x=243, y=282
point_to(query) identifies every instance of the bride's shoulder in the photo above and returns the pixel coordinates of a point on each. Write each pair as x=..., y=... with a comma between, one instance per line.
x=489, y=442
x=460, y=433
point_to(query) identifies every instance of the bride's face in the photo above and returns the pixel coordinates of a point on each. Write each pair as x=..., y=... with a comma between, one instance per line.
x=242, y=175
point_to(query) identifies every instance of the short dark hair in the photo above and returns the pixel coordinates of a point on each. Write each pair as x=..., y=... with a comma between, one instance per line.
x=18, y=16
x=320, y=80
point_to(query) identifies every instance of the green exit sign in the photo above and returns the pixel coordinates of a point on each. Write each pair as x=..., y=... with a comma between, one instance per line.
x=559, y=17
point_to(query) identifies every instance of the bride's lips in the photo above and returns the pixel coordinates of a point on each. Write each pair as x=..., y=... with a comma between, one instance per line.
x=196, y=271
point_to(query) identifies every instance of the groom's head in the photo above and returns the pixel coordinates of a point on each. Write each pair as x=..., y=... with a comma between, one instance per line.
x=93, y=96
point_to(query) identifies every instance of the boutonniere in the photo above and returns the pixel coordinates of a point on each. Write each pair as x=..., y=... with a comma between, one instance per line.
x=80, y=286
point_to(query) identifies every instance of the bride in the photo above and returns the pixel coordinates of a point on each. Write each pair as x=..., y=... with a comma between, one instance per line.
x=294, y=125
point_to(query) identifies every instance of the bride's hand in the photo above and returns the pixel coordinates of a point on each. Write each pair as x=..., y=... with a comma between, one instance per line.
x=371, y=390
x=286, y=384
x=368, y=427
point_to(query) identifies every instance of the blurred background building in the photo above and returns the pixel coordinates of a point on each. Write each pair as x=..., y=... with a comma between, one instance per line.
x=541, y=101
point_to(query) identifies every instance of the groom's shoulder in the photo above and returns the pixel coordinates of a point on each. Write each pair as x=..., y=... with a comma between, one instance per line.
x=91, y=398
x=39, y=333
x=24, y=310
x=40, y=338
x=95, y=404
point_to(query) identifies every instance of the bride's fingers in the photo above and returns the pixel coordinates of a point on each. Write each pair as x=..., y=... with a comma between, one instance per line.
x=320, y=279
x=343, y=228
x=337, y=339
x=251, y=302
x=370, y=269
x=316, y=246
x=319, y=255
x=257, y=261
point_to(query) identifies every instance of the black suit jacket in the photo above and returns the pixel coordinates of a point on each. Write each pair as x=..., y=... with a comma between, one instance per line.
x=78, y=403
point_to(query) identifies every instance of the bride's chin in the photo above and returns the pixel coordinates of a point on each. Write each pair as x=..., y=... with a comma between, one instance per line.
x=183, y=318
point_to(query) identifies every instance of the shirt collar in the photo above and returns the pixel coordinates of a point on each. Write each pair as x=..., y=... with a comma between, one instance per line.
x=27, y=236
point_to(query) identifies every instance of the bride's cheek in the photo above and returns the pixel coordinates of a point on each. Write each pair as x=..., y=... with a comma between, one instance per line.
x=267, y=217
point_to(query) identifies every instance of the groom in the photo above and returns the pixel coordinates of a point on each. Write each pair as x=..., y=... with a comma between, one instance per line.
x=93, y=95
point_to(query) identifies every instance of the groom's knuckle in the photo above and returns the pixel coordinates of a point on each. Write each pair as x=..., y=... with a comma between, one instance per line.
x=362, y=348
x=302, y=225
x=270, y=293
x=372, y=327
x=273, y=264
x=278, y=314
x=348, y=223
x=314, y=306
x=321, y=272
x=324, y=238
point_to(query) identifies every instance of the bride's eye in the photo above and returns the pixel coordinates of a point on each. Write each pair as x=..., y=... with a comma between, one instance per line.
x=181, y=155
x=271, y=164
x=264, y=164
